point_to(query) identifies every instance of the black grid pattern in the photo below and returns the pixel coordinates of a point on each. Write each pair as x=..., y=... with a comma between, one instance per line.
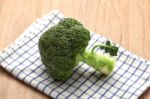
x=129, y=79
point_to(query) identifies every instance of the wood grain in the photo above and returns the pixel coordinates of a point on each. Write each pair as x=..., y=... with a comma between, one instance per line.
x=126, y=22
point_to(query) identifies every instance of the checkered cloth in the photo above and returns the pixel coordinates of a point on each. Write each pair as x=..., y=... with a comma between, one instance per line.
x=130, y=78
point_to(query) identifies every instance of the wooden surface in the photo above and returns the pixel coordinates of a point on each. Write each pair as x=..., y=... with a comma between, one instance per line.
x=126, y=22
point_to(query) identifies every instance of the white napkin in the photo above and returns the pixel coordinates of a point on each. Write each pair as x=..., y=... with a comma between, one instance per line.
x=130, y=78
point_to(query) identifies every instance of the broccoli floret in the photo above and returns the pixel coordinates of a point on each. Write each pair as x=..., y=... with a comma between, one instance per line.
x=63, y=46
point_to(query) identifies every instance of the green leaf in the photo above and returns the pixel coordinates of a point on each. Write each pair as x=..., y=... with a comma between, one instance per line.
x=108, y=47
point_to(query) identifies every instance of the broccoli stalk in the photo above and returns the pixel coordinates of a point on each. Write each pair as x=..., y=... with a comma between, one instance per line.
x=62, y=47
x=99, y=62
x=102, y=63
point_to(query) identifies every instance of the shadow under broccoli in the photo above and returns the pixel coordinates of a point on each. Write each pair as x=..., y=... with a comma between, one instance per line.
x=63, y=46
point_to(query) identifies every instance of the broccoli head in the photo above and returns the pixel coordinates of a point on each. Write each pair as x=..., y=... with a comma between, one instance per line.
x=62, y=47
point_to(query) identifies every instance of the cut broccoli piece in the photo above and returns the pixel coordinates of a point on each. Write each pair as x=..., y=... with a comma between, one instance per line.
x=63, y=46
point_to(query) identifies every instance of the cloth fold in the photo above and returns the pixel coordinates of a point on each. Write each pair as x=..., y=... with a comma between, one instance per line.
x=130, y=78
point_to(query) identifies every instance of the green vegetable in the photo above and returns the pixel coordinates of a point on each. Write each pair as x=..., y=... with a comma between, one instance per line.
x=63, y=46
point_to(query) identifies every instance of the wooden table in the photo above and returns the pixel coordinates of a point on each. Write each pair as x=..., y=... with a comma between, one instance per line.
x=126, y=22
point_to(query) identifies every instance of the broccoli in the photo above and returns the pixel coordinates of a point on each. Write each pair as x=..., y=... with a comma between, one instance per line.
x=63, y=46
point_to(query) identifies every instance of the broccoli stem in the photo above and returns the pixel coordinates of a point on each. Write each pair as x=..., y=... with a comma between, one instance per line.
x=99, y=62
